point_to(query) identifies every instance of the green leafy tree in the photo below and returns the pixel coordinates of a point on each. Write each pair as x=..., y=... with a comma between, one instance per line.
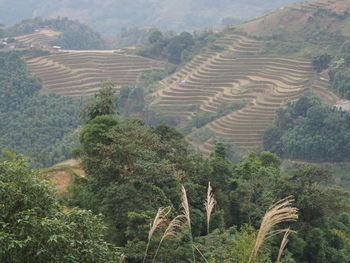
x=105, y=103
x=34, y=228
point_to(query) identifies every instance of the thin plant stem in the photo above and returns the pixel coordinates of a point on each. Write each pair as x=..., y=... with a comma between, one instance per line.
x=186, y=213
x=200, y=253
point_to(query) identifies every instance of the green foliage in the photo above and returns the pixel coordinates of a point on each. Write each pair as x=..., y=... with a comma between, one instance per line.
x=32, y=124
x=306, y=130
x=132, y=170
x=256, y=177
x=33, y=227
x=104, y=103
x=176, y=49
x=339, y=72
x=119, y=156
x=243, y=246
x=321, y=62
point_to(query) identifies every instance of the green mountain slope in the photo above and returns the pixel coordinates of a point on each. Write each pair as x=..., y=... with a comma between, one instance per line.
x=233, y=90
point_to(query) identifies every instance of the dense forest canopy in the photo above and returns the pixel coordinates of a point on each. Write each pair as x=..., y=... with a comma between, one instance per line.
x=33, y=124
x=175, y=48
x=136, y=172
x=34, y=228
x=128, y=163
x=109, y=17
x=309, y=131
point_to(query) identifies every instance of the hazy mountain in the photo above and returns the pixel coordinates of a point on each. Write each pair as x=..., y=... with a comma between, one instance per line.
x=109, y=16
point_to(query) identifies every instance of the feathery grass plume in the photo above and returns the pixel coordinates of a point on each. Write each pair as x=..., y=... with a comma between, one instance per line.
x=280, y=212
x=186, y=214
x=122, y=258
x=171, y=230
x=172, y=227
x=160, y=219
x=209, y=205
x=185, y=206
x=283, y=244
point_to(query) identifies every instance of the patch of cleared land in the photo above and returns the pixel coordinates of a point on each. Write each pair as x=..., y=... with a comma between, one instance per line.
x=40, y=39
x=62, y=174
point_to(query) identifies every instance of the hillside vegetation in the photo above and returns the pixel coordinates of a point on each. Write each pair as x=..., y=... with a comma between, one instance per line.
x=33, y=124
x=312, y=30
x=238, y=88
x=34, y=227
x=128, y=163
x=232, y=91
x=309, y=131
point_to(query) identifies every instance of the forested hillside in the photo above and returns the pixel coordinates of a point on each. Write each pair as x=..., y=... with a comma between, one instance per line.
x=33, y=124
x=136, y=173
x=136, y=190
x=109, y=17
x=309, y=131
x=72, y=34
x=232, y=90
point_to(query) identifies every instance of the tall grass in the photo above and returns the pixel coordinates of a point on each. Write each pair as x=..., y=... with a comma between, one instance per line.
x=171, y=230
x=209, y=205
x=280, y=212
x=160, y=219
x=283, y=244
x=186, y=214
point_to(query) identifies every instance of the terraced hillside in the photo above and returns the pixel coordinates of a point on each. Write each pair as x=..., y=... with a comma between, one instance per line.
x=308, y=22
x=39, y=39
x=312, y=6
x=80, y=73
x=235, y=75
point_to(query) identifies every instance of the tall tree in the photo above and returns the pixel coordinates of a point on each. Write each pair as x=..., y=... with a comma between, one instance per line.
x=34, y=228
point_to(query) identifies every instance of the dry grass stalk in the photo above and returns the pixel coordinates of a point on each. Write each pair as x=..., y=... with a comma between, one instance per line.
x=282, y=211
x=209, y=205
x=186, y=214
x=122, y=258
x=283, y=244
x=172, y=227
x=160, y=218
x=171, y=230
x=185, y=206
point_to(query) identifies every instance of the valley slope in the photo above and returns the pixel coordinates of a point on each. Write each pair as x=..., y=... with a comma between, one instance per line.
x=233, y=89
x=251, y=72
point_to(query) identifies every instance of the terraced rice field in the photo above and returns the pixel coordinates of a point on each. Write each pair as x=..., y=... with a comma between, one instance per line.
x=231, y=76
x=39, y=39
x=80, y=73
x=314, y=5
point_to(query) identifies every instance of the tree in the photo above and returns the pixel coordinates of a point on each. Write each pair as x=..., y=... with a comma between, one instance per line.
x=155, y=36
x=321, y=62
x=2, y=31
x=105, y=103
x=34, y=228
